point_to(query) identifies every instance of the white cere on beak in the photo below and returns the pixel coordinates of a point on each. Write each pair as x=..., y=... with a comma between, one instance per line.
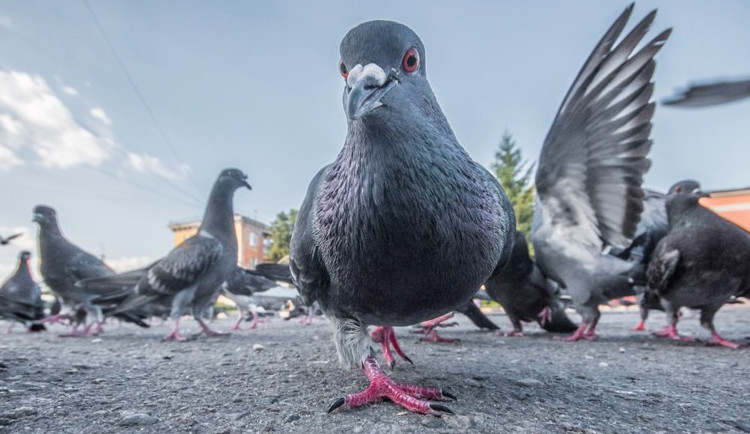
x=371, y=69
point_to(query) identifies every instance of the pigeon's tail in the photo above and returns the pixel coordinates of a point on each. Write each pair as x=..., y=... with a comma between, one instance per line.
x=477, y=316
x=129, y=307
x=660, y=270
x=558, y=322
x=277, y=272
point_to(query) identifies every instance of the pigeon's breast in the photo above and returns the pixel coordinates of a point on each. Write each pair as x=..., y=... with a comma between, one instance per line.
x=408, y=241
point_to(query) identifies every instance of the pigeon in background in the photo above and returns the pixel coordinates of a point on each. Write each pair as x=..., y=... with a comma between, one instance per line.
x=526, y=295
x=63, y=264
x=710, y=93
x=4, y=241
x=403, y=226
x=240, y=287
x=702, y=262
x=22, y=297
x=590, y=171
x=189, y=278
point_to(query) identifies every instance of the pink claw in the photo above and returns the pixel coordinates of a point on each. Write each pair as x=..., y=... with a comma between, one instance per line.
x=511, y=334
x=545, y=315
x=386, y=336
x=670, y=331
x=584, y=331
x=407, y=396
x=718, y=340
x=428, y=328
x=641, y=327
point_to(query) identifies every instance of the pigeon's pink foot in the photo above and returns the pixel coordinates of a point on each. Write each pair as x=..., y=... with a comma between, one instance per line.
x=511, y=334
x=718, y=340
x=581, y=333
x=545, y=316
x=56, y=318
x=670, y=331
x=641, y=327
x=254, y=325
x=174, y=335
x=236, y=326
x=407, y=396
x=439, y=322
x=386, y=336
x=433, y=337
x=98, y=328
x=208, y=331
x=75, y=333
x=307, y=318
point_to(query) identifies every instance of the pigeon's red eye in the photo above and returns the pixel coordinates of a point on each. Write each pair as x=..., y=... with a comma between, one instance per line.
x=342, y=69
x=411, y=60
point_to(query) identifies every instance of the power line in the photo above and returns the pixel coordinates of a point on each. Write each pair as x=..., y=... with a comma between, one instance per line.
x=135, y=88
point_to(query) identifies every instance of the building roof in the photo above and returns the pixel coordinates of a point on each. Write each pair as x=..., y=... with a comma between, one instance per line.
x=187, y=224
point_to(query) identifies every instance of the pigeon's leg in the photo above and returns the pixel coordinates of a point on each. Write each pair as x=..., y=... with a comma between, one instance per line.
x=586, y=329
x=579, y=334
x=670, y=331
x=75, y=333
x=517, y=327
x=98, y=328
x=431, y=335
x=255, y=320
x=307, y=318
x=10, y=328
x=207, y=330
x=56, y=318
x=407, y=396
x=590, y=332
x=175, y=333
x=641, y=327
x=240, y=317
x=386, y=336
x=707, y=321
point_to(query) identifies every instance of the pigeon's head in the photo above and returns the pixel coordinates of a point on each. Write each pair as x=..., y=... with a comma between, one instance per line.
x=233, y=178
x=24, y=256
x=383, y=65
x=684, y=195
x=43, y=214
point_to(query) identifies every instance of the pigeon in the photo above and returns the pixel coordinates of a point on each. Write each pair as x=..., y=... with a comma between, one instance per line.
x=702, y=262
x=4, y=241
x=63, y=264
x=710, y=93
x=589, y=176
x=190, y=277
x=403, y=226
x=526, y=295
x=22, y=297
x=240, y=287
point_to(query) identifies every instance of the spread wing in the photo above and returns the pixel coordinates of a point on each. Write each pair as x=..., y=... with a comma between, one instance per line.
x=308, y=270
x=594, y=156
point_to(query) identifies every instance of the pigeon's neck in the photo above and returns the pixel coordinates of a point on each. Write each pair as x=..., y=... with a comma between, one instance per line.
x=218, y=221
x=50, y=234
x=22, y=271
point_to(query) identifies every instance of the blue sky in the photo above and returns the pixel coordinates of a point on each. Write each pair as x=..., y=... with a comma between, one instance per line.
x=255, y=85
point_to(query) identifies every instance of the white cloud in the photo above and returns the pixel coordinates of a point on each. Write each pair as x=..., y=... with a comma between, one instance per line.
x=35, y=122
x=35, y=118
x=5, y=21
x=148, y=164
x=128, y=263
x=100, y=114
x=68, y=90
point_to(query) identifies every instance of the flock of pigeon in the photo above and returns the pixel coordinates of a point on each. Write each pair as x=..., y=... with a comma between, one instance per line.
x=404, y=227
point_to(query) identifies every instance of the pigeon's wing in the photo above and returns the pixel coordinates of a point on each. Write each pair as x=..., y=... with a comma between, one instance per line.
x=183, y=266
x=713, y=93
x=308, y=270
x=10, y=238
x=279, y=272
x=83, y=265
x=594, y=156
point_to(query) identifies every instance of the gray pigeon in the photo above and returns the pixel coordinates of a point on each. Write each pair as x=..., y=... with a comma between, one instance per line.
x=240, y=287
x=701, y=263
x=588, y=181
x=22, y=297
x=710, y=93
x=526, y=295
x=189, y=278
x=403, y=226
x=63, y=264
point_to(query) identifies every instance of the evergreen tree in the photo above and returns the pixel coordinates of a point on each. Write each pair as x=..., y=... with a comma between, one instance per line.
x=514, y=175
x=281, y=235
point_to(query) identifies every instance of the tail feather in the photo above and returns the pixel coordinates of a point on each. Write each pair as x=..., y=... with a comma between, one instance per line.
x=273, y=271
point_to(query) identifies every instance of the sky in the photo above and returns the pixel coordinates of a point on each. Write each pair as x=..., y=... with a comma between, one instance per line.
x=121, y=113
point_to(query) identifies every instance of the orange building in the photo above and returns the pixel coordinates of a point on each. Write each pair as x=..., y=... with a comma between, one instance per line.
x=251, y=235
x=733, y=205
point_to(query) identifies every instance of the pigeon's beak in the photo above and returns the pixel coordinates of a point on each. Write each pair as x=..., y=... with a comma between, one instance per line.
x=699, y=193
x=365, y=87
x=246, y=184
x=37, y=217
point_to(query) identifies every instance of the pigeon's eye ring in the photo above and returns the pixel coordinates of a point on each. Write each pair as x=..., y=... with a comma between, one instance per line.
x=342, y=69
x=411, y=60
